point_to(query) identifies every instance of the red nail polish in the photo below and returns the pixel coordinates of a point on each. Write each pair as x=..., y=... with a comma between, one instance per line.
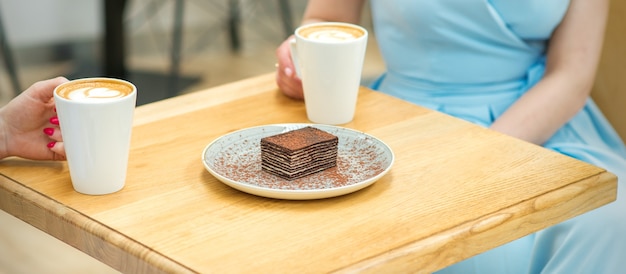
x=51, y=144
x=48, y=131
x=54, y=120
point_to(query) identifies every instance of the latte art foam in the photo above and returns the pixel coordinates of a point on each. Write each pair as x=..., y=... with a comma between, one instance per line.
x=331, y=32
x=96, y=93
x=331, y=35
x=94, y=90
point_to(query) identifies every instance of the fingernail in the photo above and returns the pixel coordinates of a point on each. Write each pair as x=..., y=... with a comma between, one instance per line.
x=288, y=72
x=54, y=120
x=51, y=144
x=48, y=131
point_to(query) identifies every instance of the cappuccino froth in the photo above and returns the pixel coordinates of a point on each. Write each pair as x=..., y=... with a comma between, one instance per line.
x=94, y=90
x=97, y=93
x=331, y=33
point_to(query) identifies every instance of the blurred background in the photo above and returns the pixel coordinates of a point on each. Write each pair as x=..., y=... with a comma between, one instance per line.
x=168, y=47
x=173, y=47
x=165, y=47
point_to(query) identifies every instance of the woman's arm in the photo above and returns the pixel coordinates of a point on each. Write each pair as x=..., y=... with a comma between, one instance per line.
x=348, y=11
x=572, y=58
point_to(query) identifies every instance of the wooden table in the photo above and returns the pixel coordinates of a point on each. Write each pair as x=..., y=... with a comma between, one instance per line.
x=455, y=190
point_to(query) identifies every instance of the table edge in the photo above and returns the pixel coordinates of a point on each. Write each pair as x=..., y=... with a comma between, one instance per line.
x=431, y=253
x=96, y=239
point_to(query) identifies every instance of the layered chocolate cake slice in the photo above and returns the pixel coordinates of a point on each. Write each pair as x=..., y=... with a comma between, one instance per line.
x=298, y=153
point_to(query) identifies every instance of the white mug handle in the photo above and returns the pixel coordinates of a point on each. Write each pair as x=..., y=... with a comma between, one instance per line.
x=294, y=56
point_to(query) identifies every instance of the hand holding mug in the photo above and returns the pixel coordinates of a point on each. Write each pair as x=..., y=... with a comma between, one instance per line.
x=28, y=124
x=286, y=79
x=96, y=117
x=328, y=57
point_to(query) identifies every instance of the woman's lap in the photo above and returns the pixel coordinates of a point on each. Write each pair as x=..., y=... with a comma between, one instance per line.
x=590, y=243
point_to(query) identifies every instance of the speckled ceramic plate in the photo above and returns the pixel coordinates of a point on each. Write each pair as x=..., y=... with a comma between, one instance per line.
x=235, y=159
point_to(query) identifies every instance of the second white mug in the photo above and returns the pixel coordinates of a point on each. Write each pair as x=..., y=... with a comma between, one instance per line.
x=329, y=59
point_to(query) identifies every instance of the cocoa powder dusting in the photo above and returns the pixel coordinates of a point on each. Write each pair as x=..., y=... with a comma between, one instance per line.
x=358, y=159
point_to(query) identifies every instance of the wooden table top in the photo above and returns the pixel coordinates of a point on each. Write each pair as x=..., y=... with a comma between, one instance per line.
x=455, y=190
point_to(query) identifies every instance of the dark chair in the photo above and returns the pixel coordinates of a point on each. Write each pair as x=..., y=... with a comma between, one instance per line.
x=114, y=54
x=233, y=30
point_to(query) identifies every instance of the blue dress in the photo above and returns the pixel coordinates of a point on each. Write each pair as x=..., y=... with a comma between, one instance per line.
x=472, y=59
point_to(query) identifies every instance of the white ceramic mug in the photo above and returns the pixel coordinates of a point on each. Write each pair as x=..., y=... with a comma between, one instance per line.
x=329, y=59
x=96, y=117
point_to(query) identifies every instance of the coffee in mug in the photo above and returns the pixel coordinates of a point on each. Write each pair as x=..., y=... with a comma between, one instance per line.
x=328, y=57
x=95, y=90
x=331, y=32
x=96, y=118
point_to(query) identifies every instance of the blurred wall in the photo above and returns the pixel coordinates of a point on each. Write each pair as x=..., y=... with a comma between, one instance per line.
x=610, y=87
x=35, y=22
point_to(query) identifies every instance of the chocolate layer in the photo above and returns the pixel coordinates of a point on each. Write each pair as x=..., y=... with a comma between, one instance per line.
x=299, y=153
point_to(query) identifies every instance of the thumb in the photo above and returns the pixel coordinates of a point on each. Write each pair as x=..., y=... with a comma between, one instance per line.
x=42, y=90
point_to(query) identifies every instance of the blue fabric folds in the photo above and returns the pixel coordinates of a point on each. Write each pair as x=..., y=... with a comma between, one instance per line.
x=472, y=59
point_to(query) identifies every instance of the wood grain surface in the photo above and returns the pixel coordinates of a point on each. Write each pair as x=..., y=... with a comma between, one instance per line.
x=455, y=190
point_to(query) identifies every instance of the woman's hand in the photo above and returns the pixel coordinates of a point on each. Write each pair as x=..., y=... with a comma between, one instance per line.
x=348, y=11
x=286, y=77
x=28, y=124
